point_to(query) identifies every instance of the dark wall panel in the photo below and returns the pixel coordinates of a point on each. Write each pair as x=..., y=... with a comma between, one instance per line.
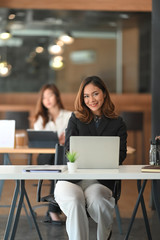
x=155, y=68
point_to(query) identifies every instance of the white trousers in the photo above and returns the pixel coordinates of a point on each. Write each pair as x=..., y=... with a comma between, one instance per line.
x=74, y=199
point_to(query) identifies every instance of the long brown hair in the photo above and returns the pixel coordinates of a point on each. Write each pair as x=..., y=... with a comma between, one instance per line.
x=41, y=110
x=82, y=112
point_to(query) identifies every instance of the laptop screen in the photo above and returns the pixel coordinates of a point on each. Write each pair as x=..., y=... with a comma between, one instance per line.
x=96, y=152
x=42, y=139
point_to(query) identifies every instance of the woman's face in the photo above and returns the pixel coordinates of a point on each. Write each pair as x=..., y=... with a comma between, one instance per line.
x=49, y=99
x=93, y=98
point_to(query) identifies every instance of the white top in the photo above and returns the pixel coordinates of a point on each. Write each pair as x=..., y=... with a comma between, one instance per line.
x=125, y=172
x=59, y=125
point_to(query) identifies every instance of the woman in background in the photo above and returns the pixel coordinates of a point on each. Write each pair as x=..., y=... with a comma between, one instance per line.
x=94, y=116
x=51, y=115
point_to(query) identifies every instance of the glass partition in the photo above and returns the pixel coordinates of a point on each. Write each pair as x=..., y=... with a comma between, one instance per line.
x=113, y=45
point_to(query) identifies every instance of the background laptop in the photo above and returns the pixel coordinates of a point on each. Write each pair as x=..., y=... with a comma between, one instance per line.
x=96, y=152
x=42, y=139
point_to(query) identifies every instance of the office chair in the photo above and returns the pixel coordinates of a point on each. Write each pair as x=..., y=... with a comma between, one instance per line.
x=21, y=118
x=134, y=122
x=59, y=159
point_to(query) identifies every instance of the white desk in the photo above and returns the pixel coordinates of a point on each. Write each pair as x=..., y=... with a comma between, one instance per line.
x=125, y=172
x=22, y=150
x=30, y=151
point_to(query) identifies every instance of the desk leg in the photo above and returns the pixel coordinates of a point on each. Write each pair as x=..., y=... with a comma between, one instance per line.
x=19, y=207
x=155, y=197
x=28, y=216
x=33, y=216
x=11, y=214
x=144, y=211
x=136, y=208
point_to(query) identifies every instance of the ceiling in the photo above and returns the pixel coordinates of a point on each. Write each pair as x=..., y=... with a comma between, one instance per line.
x=52, y=22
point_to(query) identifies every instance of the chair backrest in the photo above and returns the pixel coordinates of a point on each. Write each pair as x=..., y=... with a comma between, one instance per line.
x=135, y=123
x=133, y=120
x=21, y=118
x=59, y=155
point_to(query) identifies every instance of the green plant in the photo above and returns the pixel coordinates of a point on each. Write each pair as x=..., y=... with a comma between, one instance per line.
x=71, y=156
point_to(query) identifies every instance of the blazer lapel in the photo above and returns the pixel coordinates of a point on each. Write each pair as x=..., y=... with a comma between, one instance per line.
x=98, y=131
x=103, y=124
x=92, y=128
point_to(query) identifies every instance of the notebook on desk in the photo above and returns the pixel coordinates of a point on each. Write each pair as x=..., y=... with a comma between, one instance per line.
x=42, y=139
x=151, y=169
x=45, y=168
x=96, y=152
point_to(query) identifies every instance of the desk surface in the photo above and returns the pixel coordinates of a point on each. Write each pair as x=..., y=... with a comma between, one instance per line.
x=125, y=172
x=26, y=149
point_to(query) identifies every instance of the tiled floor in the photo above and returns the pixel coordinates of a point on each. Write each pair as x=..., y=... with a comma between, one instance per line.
x=50, y=231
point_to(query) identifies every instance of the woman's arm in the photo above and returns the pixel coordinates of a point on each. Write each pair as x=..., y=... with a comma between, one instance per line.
x=38, y=125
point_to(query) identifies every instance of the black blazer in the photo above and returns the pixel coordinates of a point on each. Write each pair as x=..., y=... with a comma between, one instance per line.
x=107, y=127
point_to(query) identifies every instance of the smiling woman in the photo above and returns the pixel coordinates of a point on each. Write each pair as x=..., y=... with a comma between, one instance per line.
x=113, y=50
x=94, y=98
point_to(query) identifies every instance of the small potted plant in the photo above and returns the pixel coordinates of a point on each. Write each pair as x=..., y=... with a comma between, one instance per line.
x=72, y=166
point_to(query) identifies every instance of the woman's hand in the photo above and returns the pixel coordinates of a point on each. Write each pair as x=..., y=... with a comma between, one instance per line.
x=62, y=139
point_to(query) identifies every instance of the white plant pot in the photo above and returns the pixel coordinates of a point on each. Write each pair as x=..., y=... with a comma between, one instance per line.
x=72, y=167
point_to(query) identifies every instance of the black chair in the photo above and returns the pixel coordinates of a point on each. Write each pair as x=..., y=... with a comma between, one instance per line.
x=134, y=122
x=59, y=159
x=21, y=118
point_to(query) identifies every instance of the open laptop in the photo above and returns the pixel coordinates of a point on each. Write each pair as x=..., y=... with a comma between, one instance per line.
x=42, y=138
x=96, y=151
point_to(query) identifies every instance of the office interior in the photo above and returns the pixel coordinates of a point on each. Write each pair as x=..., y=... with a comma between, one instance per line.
x=115, y=40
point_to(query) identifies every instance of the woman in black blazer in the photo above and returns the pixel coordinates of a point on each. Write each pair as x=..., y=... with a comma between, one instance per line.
x=94, y=116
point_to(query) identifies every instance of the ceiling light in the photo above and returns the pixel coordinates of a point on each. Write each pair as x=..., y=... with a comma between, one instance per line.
x=124, y=15
x=11, y=16
x=55, y=49
x=39, y=49
x=58, y=58
x=5, y=35
x=5, y=69
x=67, y=38
x=60, y=43
x=57, y=63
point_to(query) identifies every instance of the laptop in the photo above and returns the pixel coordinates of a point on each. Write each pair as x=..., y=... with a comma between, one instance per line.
x=97, y=152
x=42, y=138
